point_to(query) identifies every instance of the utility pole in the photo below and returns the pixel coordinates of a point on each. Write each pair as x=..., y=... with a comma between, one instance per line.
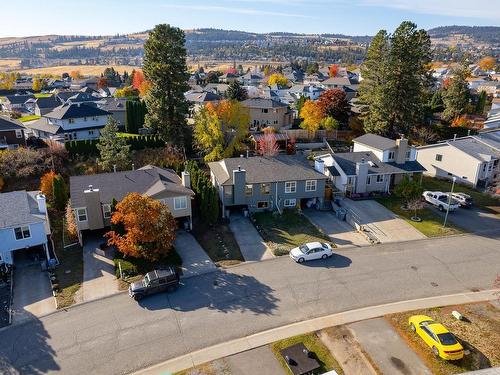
x=449, y=202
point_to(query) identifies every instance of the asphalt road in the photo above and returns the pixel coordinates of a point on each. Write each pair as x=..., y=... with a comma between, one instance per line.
x=116, y=335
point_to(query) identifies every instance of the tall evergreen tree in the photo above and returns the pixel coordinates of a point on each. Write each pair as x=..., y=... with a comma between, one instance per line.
x=113, y=150
x=236, y=91
x=165, y=68
x=59, y=193
x=456, y=94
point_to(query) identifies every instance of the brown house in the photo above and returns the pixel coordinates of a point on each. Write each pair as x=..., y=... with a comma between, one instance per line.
x=11, y=134
x=268, y=112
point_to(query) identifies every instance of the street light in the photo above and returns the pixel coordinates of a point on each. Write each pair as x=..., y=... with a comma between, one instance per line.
x=449, y=201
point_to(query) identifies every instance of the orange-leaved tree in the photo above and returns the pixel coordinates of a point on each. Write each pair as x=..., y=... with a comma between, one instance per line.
x=148, y=226
x=137, y=79
x=312, y=115
x=47, y=185
x=487, y=63
x=333, y=70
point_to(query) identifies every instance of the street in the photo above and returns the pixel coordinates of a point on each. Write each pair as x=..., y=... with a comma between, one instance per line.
x=116, y=335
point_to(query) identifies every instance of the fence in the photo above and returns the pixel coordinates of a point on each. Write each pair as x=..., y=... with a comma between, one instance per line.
x=318, y=135
x=89, y=146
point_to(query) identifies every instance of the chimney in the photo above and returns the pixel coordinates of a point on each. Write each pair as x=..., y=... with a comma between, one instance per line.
x=319, y=165
x=186, y=179
x=239, y=182
x=361, y=176
x=42, y=203
x=402, y=149
x=92, y=200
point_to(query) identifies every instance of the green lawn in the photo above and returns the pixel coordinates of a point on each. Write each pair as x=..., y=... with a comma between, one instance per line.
x=481, y=200
x=431, y=224
x=287, y=230
x=128, y=135
x=312, y=342
x=40, y=95
x=29, y=118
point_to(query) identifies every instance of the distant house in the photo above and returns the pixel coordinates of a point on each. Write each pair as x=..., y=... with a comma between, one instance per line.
x=11, y=133
x=228, y=77
x=199, y=99
x=471, y=160
x=268, y=112
x=216, y=88
x=86, y=82
x=45, y=105
x=92, y=195
x=307, y=91
x=377, y=164
x=251, y=79
x=267, y=183
x=24, y=224
x=70, y=122
x=117, y=107
x=15, y=102
x=54, y=84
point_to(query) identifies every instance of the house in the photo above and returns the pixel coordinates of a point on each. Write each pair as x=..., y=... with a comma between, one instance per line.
x=117, y=107
x=307, y=91
x=490, y=87
x=44, y=105
x=70, y=122
x=377, y=164
x=11, y=133
x=15, y=102
x=24, y=224
x=251, y=79
x=268, y=112
x=472, y=160
x=216, y=88
x=199, y=99
x=228, y=77
x=92, y=195
x=267, y=183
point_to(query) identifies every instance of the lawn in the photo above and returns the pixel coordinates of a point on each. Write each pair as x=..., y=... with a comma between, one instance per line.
x=70, y=270
x=287, y=230
x=40, y=95
x=481, y=200
x=481, y=336
x=29, y=118
x=218, y=242
x=312, y=342
x=431, y=224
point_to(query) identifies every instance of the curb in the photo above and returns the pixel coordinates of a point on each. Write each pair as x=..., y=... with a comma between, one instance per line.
x=256, y=340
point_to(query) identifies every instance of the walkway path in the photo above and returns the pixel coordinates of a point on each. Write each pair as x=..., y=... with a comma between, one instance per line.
x=251, y=244
x=195, y=260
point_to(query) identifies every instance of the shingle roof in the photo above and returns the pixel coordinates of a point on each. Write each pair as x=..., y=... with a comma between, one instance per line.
x=347, y=162
x=18, y=99
x=475, y=148
x=43, y=125
x=48, y=102
x=76, y=111
x=262, y=103
x=375, y=141
x=112, y=104
x=19, y=208
x=9, y=124
x=202, y=97
x=148, y=180
x=261, y=169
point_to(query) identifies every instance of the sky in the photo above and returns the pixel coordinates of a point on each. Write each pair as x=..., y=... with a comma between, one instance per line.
x=351, y=17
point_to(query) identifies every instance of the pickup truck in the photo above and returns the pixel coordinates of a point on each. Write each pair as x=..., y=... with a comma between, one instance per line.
x=440, y=200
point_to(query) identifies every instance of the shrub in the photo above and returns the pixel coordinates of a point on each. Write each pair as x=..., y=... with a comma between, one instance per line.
x=128, y=268
x=280, y=251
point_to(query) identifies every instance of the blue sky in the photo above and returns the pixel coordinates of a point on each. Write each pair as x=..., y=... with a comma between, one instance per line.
x=354, y=17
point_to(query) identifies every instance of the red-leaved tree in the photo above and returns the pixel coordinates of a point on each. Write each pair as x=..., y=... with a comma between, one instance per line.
x=333, y=70
x=138, y=79
x=268, y=146
x=334, y=103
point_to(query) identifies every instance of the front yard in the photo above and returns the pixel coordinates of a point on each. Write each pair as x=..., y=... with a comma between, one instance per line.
x=480, y=335
x=286, y=231
x=431, y=224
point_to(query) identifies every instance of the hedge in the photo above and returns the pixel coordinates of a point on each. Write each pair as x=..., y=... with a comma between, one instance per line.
x=89, y=146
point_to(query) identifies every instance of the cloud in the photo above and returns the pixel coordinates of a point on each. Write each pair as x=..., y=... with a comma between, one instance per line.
x=247, y=11
x=484, y=9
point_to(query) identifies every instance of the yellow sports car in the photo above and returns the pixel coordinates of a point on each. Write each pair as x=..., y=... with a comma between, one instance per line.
x=443, y=342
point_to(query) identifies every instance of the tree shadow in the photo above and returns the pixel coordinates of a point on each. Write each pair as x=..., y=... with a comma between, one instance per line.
x=25, y=349
x=222, y=291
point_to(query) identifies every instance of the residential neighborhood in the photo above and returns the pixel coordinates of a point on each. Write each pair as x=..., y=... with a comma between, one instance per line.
x=203, y=201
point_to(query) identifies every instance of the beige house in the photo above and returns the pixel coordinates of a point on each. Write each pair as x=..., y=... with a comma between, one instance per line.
x=268, y=112
x=92, y=195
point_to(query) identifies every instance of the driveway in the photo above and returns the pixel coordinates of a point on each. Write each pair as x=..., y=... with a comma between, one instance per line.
x=251, y=244
x=260, y=361
x=99, y=278
x=471, y=219
x=195, y=260
x=381, y=222
x=341, y=233
x=386, y=348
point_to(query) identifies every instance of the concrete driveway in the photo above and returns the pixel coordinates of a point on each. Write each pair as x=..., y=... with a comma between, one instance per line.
x=260, y=361
x=341, y=233
x=386, y=348
x=471, y=219
x=195, y=260
x=380, y=221
x=251, y=244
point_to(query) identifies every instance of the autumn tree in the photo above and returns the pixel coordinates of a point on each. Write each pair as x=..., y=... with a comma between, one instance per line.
x=330, y=123
x=46, y=185
x=487, y=63
x=236, y=91
x=277, y=79
x=75, y=74
x=70, y=221
x=165, y=68
x=149, y=228
x=267, y=145
x=456, y=94
x=113, y=149
x=102, y=83
x=334, y=103
x=137, y=79
x=333, y=70
x=37, y=84
x=311, y=115
x=126, y=92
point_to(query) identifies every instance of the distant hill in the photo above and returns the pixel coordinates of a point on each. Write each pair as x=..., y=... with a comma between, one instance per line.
x=487, y=34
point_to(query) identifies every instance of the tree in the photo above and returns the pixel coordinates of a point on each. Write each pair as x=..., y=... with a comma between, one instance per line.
x=312, y=115
x=102, y=83
x=300, y=103
x=148, y=225
x=312, y=68
x=436, y=103
x=334, y=103
x=144, y=88
x=277, y=79
x=206, y=194
x=60, y=193
x=268, y=146
x=208, y=134
x=165, y=67
x=37, y=84
x=47, y=185
x=137, y=79
x=71, y=227
x=487, y=63
x=456, y=94
x=113, y=150
x=236, y=91
x=127, y=92
x=75, y=74
x=481, y=102
x=408, y=190
x=333, y=70
x=330, y=123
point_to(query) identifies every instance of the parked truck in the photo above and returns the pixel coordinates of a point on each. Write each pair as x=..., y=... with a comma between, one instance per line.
x=441, y=200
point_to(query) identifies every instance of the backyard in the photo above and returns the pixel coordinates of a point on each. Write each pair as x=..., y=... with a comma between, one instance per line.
x=286, y=231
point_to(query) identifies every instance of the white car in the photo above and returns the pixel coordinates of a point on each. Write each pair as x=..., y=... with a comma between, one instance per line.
x=465, y=200
x=440, y=200
x=311, y=251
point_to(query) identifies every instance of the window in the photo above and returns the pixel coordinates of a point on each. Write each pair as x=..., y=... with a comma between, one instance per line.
x=249, y=190
x=484, y=167
x=290, y=202
x=91, y=132
x=408, y=154
x=368, y=180
x=228, y=190
x=71, y=120
x=311, y=185
x=265, y=110
x=350, y=180
x=439, y=157
x=265, y=189
x=290, y=187
x=106, y=210
x=19, y=133
x=380, y=178
x=391, y=155
x=22, y=233
x=81, y=214
x=263, y=204
x=85, y=119
x=180, y=203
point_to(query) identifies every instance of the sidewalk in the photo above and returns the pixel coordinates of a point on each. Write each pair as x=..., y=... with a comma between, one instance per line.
x=266, y=337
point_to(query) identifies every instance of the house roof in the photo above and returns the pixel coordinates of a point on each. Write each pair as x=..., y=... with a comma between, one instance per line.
x=339, y=81
x=201, y=96
x=18, y=99
x=333, y=170
x=148, y=180
x=81, y=97
x=491, y=138
x=475, y=148
x=9, y=124
x=112, y=104
x=42, y=124
x=375, y=141
x=48, y=102
x=19, y=208
x=260, y=169
x=76, y=111
x=262, y=103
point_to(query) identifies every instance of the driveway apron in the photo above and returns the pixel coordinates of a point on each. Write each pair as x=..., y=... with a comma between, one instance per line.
x=251, y=244
x=195, y=260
